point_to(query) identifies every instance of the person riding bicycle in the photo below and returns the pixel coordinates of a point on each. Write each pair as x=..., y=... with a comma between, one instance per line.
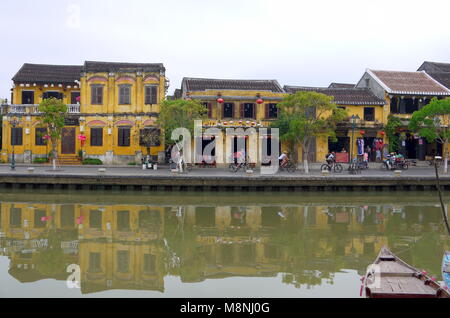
x=331, y=158
x=240, y=158
x=284, y=159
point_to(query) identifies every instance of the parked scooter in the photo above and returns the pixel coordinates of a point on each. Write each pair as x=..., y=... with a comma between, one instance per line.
x=394, y=162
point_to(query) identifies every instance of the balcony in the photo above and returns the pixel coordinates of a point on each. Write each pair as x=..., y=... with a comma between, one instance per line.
x=16, y=109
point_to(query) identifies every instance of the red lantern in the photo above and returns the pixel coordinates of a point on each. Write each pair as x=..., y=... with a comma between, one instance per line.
x=220, y=100
x=382, y=133
x=259, y=101
x=362, y=132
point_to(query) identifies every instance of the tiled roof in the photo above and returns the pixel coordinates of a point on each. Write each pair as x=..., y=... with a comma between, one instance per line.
x=443, y=78
x=95, y=67
x=408, y=83
x=43, y=73
x=434, y=67
x=341, y=85
x=203, y=84
x=342, y=96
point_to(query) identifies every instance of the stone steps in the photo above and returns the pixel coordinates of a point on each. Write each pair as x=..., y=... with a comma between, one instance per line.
x=69, y=160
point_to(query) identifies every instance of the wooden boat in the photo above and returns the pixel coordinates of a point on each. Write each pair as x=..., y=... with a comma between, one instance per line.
x=390, y=277
x=446, y=269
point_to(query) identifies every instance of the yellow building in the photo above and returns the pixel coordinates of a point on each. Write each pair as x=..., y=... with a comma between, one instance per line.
x=111, y=104
x=253, y=103
x=405, y=93
x=369, y=111
x=234, y=104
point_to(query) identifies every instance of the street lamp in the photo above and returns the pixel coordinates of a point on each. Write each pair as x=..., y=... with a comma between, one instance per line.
x=14, y=122
x=354, y=118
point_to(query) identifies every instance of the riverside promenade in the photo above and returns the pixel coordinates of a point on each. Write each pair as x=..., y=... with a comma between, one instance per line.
x=133, y=178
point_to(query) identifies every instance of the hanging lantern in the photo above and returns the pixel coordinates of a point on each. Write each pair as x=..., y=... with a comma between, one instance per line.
x=260, y=101
x=382, y=133
x=362, y=132
x=220, y=100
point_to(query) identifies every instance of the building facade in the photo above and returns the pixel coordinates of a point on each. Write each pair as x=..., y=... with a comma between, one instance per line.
x=405, y=93
x=370, y=116
x=234, y=104
x=110, y=105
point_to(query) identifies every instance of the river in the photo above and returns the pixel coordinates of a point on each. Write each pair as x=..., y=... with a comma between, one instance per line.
x=187, y=244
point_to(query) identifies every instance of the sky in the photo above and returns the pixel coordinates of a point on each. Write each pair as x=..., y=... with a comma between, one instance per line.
x=308, y=43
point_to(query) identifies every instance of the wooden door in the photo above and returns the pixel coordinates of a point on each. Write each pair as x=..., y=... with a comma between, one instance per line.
x=68, y=141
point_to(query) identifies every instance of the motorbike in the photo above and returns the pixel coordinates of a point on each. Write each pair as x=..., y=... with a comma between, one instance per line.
x=396, y=164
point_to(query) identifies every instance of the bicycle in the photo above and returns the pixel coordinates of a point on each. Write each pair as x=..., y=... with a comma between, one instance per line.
x=335, y=167
x=235, y=167
x=355, y=167
x=289, y=167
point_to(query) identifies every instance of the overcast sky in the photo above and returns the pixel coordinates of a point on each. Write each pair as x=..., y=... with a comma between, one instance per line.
x=310, y=43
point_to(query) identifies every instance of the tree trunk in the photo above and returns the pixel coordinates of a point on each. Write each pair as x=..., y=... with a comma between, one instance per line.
x=55, y=154
x=305, y=155
x=445, y=151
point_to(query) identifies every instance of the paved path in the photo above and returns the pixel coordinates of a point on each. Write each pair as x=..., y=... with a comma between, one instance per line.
x=200, y=172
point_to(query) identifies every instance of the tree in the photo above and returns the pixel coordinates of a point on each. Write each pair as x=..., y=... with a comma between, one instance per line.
x=305, y=115
x=149, y=137
x=432, y=122
x=179, y=113
x=391, y=130
x=53, y=112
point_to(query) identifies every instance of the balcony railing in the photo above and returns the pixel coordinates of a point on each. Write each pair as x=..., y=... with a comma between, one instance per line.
x=33, y=109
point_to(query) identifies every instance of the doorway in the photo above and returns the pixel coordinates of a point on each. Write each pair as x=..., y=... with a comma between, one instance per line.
x=68, y=141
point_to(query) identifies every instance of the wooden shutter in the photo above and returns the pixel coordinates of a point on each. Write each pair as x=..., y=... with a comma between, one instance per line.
x=124, y=137
x=147, y=95
x=120, y=136
x=267, y=110
x=254, y=110
x=16, y=136
x=39, y=136
x=97, y=137
x=242, y=110
x=209, y=105
x=154, y=93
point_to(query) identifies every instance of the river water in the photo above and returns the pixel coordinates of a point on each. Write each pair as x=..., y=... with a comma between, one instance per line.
x=268, y=244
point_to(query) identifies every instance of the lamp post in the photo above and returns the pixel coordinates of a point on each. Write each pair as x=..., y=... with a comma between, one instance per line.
x=14, y=122
x=354, y=118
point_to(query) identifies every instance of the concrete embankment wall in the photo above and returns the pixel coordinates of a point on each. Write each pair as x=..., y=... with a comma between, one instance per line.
x=222, y=183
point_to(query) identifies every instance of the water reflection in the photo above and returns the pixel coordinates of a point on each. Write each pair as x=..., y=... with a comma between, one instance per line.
x=134, y=246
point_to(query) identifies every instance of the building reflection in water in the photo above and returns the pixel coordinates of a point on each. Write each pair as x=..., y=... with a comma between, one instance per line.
x=135, y=247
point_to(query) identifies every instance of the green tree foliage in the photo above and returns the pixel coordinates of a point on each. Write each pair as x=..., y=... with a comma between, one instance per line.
x=53, y=112
x=179, y=113
x=432, y=122
x=391, y=130
x=305, y=115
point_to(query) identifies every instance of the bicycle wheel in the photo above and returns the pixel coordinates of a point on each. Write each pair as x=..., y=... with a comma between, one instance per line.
x=325, y=167
x=338, y=168
x=231, y=167
x=291, y=168
x=384, y=166
x=405, y=166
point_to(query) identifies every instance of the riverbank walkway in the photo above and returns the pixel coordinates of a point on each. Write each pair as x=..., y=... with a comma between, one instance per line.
x=164, y=171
